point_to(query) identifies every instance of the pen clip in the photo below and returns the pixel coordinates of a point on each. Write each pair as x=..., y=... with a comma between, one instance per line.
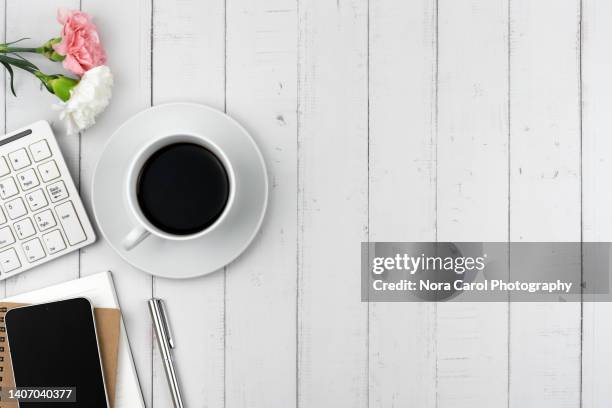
x=166, y=322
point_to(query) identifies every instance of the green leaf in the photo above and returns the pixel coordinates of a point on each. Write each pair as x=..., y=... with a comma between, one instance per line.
x=11, y=74
x=19, y=56
x=24, y=60
x=19, y=63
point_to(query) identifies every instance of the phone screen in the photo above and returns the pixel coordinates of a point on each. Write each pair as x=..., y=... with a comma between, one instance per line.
x=54, y=345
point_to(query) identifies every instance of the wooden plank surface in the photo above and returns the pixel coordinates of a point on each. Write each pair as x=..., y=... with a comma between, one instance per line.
x=333, y=203
x=472, y=192
x=127, y=35
x=190, y=36
x=261, y=285
x=545, y=198
x=597, y=196
x=402, y=346
x=385, y=120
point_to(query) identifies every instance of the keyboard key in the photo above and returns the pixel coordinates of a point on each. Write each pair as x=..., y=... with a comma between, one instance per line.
x=24, y=228
x=19, y=159
x=9, y=260
x=2, y=217
x=71, y=223
x=57, y=191
x=36, y=200
x=28, y=179
x=8, y=188
x=6, y=237
x=45, y=220
x=16, y=208
x=4, y=168
x=33, y=250
x=49, y=171
x=40, y=150
x=54, y=242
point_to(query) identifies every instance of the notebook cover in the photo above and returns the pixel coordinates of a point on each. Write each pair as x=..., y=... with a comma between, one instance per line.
x=108, y=329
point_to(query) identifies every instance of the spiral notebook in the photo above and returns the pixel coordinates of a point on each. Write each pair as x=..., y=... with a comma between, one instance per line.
x=100, y=290
x=107, y=324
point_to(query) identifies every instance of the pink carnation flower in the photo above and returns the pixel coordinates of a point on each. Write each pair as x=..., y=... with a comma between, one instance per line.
x=80, y=43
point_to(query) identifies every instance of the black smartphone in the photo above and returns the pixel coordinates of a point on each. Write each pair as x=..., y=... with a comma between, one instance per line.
x=54, y=346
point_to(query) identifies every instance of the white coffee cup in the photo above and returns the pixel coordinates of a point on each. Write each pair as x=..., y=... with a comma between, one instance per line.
x=142, y=227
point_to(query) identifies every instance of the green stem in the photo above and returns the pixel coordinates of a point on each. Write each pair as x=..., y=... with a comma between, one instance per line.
x=57, y=84
x=44, y=79
x=45, y=50
x=5, y=49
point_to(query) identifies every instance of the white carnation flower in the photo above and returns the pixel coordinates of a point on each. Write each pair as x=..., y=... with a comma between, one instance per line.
x=87, y=99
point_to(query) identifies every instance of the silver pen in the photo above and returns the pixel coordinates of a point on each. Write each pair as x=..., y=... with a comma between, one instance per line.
x=166, y=344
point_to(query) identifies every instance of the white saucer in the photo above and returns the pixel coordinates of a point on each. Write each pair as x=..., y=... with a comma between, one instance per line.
x=181, y=259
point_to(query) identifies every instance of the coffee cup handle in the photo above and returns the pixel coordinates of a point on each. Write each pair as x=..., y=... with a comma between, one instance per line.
x=134, y=237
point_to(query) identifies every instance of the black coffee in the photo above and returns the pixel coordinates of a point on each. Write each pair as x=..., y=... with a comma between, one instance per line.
x=183, y=188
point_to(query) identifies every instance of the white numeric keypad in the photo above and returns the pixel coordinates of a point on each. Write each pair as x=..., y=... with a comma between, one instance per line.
x=41, y=214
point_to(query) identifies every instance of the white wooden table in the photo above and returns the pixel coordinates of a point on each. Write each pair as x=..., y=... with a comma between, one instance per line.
x=384, y=120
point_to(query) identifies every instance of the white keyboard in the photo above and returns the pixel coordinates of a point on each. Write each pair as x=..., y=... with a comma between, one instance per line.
x=41, y=214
